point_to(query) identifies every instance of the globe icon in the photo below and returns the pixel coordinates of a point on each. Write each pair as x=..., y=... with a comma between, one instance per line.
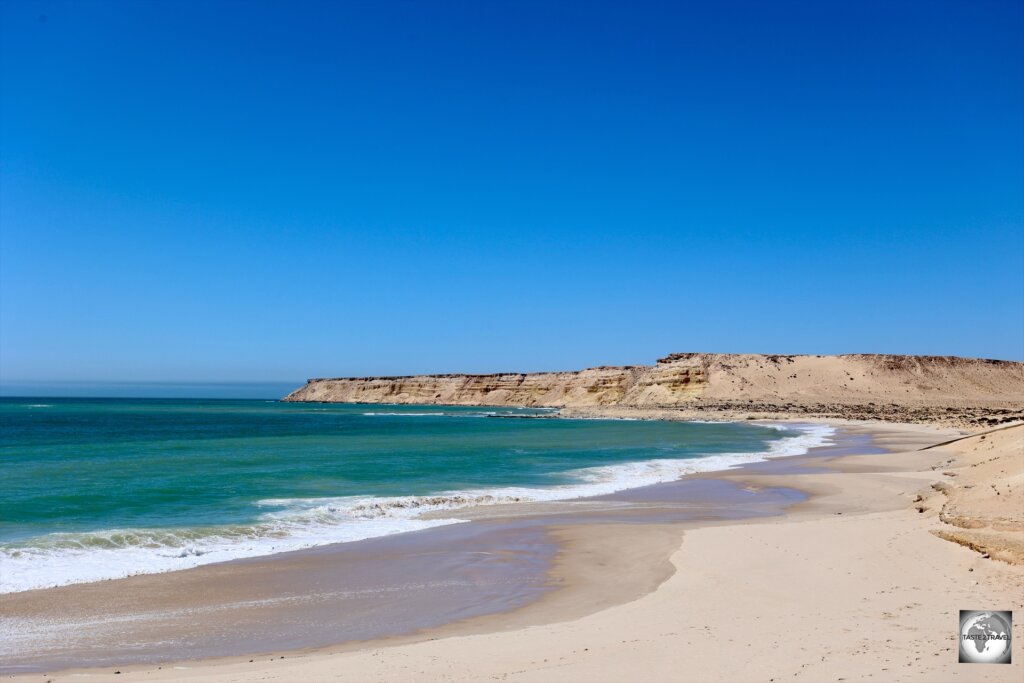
x=985, y=637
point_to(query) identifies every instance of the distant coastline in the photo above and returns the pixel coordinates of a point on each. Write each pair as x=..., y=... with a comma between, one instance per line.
x=943, y=390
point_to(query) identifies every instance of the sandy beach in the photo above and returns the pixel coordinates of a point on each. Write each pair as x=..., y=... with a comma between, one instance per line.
x=856, y=582
x=521, y=342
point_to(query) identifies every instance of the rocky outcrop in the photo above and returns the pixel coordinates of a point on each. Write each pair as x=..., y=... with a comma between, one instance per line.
x=866, y=383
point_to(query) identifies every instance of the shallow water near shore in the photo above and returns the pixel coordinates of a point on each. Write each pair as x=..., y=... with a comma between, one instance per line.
x=101, y=489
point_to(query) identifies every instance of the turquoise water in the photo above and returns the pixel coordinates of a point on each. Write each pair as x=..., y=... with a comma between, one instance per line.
x=105, y=487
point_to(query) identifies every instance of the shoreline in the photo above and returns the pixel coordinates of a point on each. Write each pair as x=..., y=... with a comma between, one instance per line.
x=584, y=546
x=397, y=513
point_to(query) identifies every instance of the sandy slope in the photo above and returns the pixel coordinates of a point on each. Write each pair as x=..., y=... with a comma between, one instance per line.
x=850, y=586
x=981, y=493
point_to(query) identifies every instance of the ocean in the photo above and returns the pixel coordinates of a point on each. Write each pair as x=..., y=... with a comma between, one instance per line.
x=104, y=488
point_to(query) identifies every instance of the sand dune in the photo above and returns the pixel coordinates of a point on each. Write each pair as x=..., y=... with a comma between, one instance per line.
x=981, y=493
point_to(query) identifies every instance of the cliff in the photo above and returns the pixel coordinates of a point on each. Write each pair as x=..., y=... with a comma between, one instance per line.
x=704, y=381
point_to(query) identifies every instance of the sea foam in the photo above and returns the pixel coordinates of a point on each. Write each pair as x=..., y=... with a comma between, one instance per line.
x=295, y=523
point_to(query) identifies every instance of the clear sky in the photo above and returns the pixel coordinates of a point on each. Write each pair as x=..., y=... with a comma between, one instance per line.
x=222, y=192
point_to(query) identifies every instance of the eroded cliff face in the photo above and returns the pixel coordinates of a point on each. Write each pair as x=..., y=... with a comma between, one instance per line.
x=688, y=379
x=604, y=386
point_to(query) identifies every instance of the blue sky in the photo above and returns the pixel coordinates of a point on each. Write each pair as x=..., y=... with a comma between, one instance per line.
x=224, y=192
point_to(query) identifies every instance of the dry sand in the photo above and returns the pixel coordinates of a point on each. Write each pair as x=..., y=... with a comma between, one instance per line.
x=854, y=584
